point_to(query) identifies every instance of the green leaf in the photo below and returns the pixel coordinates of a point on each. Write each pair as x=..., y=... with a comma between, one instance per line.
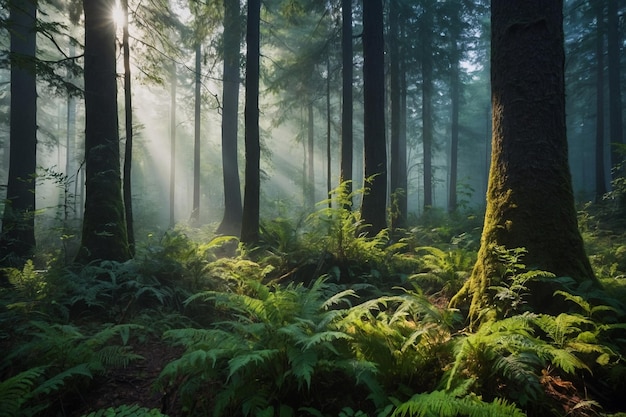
x=255, y=358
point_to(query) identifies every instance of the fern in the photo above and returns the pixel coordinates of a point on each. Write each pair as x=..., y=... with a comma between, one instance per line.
x=274, y=345
x=504, y=351
x=15, y=391
x=25, y=393
x=444, y=404
x=58, y=381
x=69, y=357
x=126, y=411
x=251, y=359
x=572, y=336
x=405, y=336
x=587, y=308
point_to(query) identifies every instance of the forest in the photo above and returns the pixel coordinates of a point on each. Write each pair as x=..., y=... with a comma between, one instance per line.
x=279, y=208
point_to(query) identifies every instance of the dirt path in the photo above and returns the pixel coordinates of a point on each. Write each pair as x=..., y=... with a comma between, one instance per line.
x=133, y=384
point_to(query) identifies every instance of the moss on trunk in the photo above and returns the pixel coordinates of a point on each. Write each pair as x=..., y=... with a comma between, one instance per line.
x=530, y=202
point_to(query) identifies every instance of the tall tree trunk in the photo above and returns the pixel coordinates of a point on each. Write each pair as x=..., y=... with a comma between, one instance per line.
x=403, y=181
x=104, y=227
x=173, y=85
x=328, y=132
x=346, y=110
x=374, y=206
x=455, y=97
x=600, y=165
x=195, y=209
x=17, y=241
x=427, y=105
x=231, y=222
x=398, y=146
x=70, y=145
x=530, y=201
x=309, y=185
x=250, y=219
x=616, y=131
x=128, y=147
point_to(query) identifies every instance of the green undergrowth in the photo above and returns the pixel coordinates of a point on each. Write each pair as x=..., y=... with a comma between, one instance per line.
x=319, y=319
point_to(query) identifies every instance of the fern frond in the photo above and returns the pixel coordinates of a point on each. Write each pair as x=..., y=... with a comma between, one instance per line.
x=339, y=298
x=255, y=357
x=201, y=338
x=58, y=381
x=443, y=404
x=567, y=361
x=110, y=331
x=126, y=411
x=15, y=391
x=302, y=365
x=521, y=369
x=325, y=337
x=114, y=357
x=562, y=327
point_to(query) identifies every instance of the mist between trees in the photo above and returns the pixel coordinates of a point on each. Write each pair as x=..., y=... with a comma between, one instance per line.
x=428, y=124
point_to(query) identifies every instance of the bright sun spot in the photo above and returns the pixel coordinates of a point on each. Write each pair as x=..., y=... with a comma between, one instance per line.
x=118, y=15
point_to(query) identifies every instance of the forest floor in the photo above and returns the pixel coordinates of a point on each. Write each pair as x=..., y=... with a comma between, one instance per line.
x=134, y=383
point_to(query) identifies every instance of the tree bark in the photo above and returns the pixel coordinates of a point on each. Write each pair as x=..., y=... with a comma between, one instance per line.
x=231, y=222
x=530, y=202
x=455, y=98
x=616, y=131
x=128, y=146
x=374, y=206
x=195, y=209
x=70, y=147
x=427, y=105
x=173, y=85
x=17, y=241
x=600, y=164
x=309, y=184
x=398, y=172
x=250, y=219
x=104, y=234
x=347, y=109
x=328, y=133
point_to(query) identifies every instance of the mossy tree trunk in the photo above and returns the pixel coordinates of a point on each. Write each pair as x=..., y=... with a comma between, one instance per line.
x=530, y=202
x=104, y=229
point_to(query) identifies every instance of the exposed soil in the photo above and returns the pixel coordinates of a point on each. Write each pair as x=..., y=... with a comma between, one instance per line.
x=133, y=384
